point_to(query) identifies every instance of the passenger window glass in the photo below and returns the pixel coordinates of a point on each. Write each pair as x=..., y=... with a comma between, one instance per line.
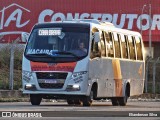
x=117, y=46
x=124, y=46
x=139, y=48
x=103, y=48
x=131, y=48
x=109, y=44
x=95, y=49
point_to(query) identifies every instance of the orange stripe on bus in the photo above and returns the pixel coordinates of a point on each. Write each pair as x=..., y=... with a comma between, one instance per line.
x=117, y=77
x=38, y=66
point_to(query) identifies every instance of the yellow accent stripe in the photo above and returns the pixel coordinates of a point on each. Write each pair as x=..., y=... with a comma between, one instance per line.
x=117, y=77
x=140, y=70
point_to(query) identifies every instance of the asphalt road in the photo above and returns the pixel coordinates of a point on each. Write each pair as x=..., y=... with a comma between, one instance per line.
x=101, y=110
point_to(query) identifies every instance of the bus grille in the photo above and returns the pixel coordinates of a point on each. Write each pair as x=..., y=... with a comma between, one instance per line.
x=51, y=85
x=51, y=80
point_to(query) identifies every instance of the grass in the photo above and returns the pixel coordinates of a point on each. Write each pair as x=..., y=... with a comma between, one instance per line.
x=5, y=67
x=14, y=99
x=157, y=88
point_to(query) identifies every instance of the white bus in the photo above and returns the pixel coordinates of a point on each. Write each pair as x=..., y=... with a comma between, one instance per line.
x=82, y=61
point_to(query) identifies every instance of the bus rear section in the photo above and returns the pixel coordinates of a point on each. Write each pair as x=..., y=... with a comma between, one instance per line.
x=117, y=65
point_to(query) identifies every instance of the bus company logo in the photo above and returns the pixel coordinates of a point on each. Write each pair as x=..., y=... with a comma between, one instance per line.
x=13, y=13
x=52, y=64
x=51, y=74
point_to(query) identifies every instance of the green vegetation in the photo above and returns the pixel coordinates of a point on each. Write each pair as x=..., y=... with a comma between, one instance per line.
x=14, y=99
x=5, y=66
x=157, y=87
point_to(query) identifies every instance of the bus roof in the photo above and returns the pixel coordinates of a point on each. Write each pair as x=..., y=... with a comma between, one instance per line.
x=107, y=26
x=118, y=30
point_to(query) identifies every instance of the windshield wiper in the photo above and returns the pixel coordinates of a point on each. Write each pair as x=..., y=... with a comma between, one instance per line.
x=54, y=54
x=41, y=55
x=67, y=53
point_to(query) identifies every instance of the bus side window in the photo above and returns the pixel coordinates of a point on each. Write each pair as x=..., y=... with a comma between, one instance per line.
x=139, y=48
x=124, y=46
x=109, y=44
x=131, y=48
x=117, y=46
x=95, y=49
x=103, y=48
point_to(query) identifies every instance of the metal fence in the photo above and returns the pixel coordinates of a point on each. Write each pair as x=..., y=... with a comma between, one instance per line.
x=11, y=65
x=152, y=78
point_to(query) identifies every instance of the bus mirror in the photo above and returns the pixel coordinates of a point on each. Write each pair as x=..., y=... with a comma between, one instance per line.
x=96, y=37
x=24, y=36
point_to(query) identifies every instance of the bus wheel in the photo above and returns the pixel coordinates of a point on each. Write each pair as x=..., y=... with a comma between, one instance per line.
x=77, y=102
x=87, y=100
x=74, y=102
x=123, y=101
x=114, y=101
x=35, y=99
x=70, y=102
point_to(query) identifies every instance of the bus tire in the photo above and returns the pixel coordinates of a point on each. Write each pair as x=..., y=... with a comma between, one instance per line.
x=114, y=101
x=77, y=102
x=74, y=102
x=123, y=100
x=35, y=99
x=70, y=102
x=87, y=100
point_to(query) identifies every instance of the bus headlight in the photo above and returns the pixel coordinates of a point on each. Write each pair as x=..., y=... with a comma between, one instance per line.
x=26, y=75
x=30, y=87
x=74, y=87
x=77, y=77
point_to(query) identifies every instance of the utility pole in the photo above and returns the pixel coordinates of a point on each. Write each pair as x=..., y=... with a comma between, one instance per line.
x=11, y=73
x=150, y=33
x=141, y=17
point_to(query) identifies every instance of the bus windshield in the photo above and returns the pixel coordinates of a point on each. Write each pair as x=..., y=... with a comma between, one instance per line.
x=63, y=44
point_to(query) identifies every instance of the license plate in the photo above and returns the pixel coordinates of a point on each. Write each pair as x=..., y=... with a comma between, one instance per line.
x=51, y=81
